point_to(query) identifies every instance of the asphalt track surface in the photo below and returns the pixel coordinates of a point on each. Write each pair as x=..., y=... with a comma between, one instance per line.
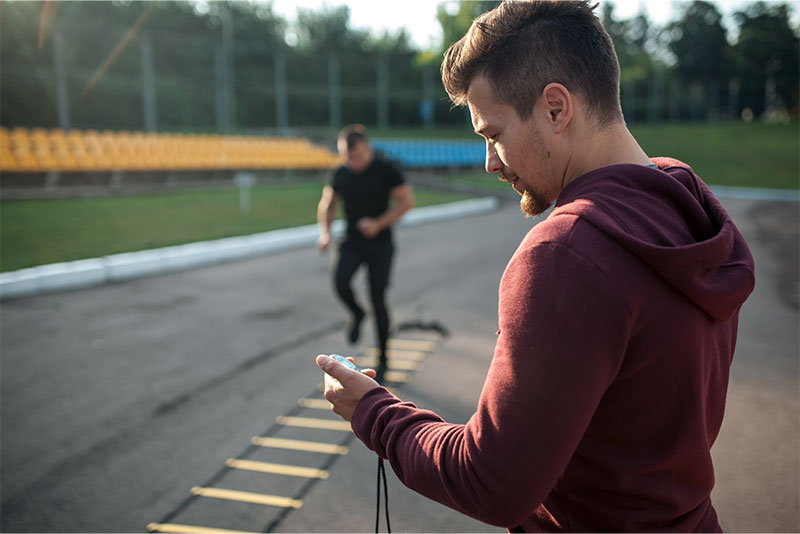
x=118, y=400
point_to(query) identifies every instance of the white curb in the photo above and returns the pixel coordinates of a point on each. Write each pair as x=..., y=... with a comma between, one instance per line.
x=754, y=193
x=118, y=267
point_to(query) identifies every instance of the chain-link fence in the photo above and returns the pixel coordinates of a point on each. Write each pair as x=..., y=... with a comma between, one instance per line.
x=118, y=71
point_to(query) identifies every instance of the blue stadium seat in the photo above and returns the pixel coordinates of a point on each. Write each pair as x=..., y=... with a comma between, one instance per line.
x=433, y=154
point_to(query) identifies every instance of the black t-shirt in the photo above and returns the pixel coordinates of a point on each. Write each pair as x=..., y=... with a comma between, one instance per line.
x=365, y=194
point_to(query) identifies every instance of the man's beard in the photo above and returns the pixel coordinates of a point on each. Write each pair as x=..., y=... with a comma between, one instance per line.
x=533, y=203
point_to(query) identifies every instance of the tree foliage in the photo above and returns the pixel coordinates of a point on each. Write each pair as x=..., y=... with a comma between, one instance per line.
x=631, y=38
x=103, y=53
x=455, y=25
x=699, y=42
x=767, y=49
x=327, y=30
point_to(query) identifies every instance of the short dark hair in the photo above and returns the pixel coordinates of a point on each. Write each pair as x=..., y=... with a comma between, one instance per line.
x=353, y=134
x=521, y=46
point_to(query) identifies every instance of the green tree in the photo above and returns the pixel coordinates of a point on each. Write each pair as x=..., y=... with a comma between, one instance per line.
x=326, y=35
x=767, y=52
x=631, y=38
x=455, y=25
x=27, y=81
x=91, y=32
x=327, y=29
x=699, y=42
x=259, y=33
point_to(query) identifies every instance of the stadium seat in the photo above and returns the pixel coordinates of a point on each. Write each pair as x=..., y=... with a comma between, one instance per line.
x=41, y=150
x=433, y=154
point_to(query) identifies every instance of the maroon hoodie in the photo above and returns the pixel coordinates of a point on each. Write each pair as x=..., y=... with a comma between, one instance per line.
x=618, y=318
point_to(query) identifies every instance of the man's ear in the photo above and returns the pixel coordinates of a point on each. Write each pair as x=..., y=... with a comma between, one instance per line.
x=558, y=104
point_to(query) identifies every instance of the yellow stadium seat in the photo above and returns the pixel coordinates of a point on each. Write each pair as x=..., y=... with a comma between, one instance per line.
x=96, y=150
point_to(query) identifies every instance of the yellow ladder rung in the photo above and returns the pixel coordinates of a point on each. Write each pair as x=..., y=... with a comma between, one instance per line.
x=317, y=404
x=411, y=344
x=402, y=365
x=189, y=529
x=397, y=376
x=246, y=496
x=277, y=469
x=390, y=389
x=398, y=354
x=311, y=422
x=299, y=445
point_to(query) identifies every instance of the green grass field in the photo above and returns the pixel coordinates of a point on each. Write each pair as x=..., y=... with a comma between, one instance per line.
x=35, y=232
x=48, y=231
x=739, y=154
x=733, y=154
x=736, y=153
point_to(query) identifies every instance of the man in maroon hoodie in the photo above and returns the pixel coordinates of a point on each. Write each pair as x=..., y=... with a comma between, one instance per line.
x=617, y=314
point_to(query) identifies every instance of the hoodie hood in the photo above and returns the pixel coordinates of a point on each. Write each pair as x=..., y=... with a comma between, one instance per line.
x=671, y=221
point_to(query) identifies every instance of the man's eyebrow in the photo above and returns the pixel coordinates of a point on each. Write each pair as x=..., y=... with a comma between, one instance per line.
x=481, y=129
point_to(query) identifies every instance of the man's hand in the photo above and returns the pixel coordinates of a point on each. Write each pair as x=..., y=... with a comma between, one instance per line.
x=344, y=387
x=323, y=242
x=368, y=227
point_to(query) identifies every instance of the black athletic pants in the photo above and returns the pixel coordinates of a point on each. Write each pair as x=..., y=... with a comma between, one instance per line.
x=377, y=254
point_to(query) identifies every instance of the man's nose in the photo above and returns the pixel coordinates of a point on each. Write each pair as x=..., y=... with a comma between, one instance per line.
x=494, y=164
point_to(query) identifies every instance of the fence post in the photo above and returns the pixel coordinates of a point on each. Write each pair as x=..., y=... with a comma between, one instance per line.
x=713, y=101
x=148, y=83
x=695, y=92
x=628, y=102
x=228, y=103
x=219, y=67
x=770, y=92
x=654, y=107
x=675, y=101
x=334, y=92
x=62, y=97
x=734, y=87
x=281, y=101
x=383, y=93
x=427, y=106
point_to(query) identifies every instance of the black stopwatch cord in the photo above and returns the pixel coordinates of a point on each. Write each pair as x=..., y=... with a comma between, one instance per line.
x=382, y=474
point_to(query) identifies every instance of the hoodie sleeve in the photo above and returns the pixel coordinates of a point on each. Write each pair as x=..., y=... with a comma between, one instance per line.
x=563, y=332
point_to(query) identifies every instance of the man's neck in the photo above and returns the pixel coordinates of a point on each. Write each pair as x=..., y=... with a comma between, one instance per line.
x=363, y=169
x=613, y=145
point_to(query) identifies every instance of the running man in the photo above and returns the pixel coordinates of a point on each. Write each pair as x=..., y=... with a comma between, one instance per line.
x=375, y=196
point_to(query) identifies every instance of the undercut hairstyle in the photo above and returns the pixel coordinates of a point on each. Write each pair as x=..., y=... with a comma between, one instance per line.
x=353, y=134
x=522, y=46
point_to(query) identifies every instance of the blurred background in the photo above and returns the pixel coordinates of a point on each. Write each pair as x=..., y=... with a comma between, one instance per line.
x=264, y=67
x=114, y=98
x=136, y=133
